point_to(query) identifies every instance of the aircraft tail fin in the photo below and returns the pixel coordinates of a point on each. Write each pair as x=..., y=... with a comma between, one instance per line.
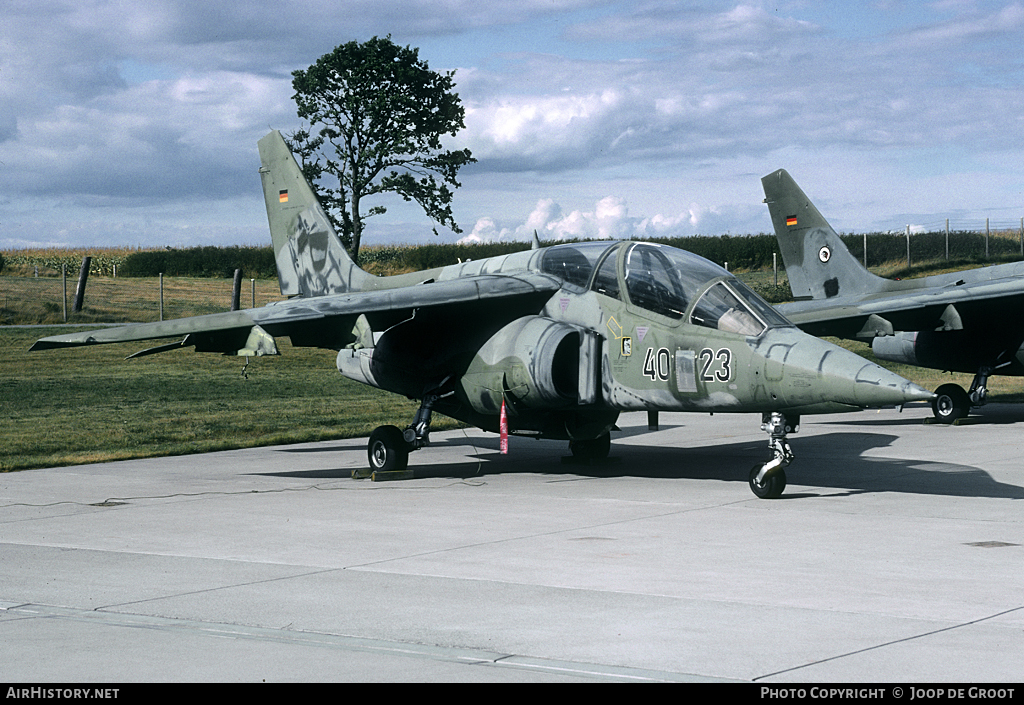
x=818, y=264
x=311, y=261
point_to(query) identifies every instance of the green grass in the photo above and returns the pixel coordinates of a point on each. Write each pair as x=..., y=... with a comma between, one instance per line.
x=82, y=405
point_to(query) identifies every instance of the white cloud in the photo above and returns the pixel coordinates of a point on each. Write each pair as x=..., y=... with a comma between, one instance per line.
x=550, y=223
x=485, y=230
x=609, y=219
x=155, y=138
x=564, y=131
x=1008, y=20
x=686, y=25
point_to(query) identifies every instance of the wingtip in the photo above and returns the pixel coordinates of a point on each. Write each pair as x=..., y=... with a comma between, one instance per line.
x=47, y=344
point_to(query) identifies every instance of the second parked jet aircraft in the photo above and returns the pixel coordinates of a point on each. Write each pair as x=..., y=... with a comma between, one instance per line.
x=969, y=321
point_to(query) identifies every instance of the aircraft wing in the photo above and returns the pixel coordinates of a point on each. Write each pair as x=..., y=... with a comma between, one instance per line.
x=321, y=321
x=917, y=309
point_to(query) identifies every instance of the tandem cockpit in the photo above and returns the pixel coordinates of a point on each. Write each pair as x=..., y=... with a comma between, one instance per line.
x=665, y=281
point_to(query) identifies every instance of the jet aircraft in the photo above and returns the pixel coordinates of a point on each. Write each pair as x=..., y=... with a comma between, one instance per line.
x=968, y=321
x=551, y=342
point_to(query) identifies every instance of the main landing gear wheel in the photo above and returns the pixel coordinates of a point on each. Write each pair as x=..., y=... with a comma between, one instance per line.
x=387, y=450
x=595, y=449
x=771, y=487
x=951, y=403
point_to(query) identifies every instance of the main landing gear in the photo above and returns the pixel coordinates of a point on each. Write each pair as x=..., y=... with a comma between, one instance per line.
x=388, y=449
x=952, y=403
x=768, y=481
x=593, y=449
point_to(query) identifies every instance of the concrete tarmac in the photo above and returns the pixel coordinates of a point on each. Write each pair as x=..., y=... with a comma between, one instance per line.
x=895, y=555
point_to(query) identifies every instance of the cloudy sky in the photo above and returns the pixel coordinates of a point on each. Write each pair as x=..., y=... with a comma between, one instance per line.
x=135, y=123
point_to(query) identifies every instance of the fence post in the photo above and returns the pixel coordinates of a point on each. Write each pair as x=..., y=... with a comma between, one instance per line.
x=908, y=247
x=1022, y=237
x=236, y=290
x=161, y=296
x=252, y=285
x=775, y=266
x=865, y=250
x=64, y=281
x=986, y=238
x=83, y=277
x=947, y=239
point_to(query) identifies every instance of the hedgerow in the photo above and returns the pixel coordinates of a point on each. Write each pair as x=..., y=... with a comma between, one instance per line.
x=255, y=262
x=739, y=252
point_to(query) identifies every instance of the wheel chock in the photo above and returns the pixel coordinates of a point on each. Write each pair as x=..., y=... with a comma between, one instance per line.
x=386, y=476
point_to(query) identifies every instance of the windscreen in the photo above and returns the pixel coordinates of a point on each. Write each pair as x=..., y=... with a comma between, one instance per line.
x=732, y=307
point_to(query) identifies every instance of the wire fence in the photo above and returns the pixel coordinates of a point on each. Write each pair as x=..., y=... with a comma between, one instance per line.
x=39, y=294
x=996, y=241
x=51, y=299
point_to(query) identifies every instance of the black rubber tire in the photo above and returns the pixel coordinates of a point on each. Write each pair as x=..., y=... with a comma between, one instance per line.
x=773, y=487
x=387, y=450
x=595, y=449
x=951, y=403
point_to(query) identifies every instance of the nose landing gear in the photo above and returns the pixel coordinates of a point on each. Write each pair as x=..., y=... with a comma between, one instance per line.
x=768, y=481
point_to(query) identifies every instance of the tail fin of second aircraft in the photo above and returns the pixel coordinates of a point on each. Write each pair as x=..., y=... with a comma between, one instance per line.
x=818, y=264
x=311, y=261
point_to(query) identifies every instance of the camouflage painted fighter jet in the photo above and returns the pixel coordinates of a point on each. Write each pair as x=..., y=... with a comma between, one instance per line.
x=550, y=343
x=966, y=321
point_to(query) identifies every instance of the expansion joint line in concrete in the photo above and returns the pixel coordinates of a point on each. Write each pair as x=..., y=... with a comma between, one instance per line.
x=891, y=643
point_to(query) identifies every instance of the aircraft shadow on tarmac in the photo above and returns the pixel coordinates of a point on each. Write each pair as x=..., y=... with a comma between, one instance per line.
x=834, y=462
x=831, y=463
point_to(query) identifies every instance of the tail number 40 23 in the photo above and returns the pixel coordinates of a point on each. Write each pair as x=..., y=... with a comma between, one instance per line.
x=715, y=366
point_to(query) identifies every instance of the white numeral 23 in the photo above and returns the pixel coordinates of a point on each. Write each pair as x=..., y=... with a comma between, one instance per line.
x=723, y=373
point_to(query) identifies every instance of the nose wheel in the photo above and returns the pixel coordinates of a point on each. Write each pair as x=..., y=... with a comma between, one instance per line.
x=771, y=487
x=768, y=480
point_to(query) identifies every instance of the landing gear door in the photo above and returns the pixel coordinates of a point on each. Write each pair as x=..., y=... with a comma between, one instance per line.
x=590, y=367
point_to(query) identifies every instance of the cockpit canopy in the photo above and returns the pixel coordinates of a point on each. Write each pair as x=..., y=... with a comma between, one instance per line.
x=575, y=263
x=666, y=281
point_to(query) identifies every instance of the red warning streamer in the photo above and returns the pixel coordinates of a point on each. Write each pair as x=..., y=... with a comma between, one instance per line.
x=503, y=427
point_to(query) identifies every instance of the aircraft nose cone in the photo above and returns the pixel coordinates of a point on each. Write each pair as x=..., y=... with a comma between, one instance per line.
x=802, y=370
x=875, y=386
